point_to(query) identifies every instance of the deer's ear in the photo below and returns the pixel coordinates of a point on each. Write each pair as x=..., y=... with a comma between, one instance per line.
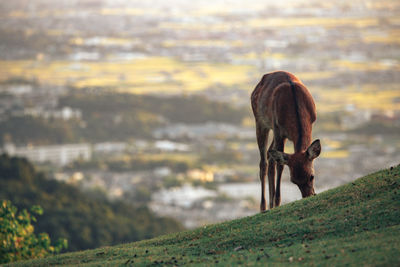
x=279, y=156
x=314, y=150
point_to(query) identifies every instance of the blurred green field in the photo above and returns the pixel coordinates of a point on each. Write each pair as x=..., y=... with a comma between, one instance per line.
x=162, y=75
x=148, y=75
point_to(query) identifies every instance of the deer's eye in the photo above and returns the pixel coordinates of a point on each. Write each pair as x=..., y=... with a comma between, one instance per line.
x=311, y=178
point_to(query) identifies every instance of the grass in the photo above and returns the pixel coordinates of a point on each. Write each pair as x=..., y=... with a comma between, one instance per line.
x=353, y=225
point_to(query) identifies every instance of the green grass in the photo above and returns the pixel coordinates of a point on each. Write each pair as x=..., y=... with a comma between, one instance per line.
x=353, y=225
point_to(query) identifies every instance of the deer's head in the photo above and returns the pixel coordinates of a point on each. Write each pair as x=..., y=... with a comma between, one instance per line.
x=301, y=166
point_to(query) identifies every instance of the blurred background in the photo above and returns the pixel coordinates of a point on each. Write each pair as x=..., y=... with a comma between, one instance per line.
x=136, y=112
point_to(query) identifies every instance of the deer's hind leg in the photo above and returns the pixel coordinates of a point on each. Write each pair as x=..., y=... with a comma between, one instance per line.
x=262, y=140
x=279, y=146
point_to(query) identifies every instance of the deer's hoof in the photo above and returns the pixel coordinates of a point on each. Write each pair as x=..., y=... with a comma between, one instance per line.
x=263, y=207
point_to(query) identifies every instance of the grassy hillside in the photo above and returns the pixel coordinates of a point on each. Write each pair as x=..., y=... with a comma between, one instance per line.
x=356, y=224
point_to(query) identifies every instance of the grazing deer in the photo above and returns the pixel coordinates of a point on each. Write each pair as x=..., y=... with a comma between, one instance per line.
x=281, y=103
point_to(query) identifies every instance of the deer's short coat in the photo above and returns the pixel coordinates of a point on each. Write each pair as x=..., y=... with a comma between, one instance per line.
x=282, y=103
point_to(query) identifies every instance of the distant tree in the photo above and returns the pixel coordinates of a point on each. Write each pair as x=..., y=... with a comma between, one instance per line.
x=86, y=219
x=18, y=240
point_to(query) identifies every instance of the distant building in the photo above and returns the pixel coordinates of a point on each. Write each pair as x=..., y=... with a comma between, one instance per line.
x=66, y=113
x=110, y=147
x=57, y=154
x=165, y=145
x=184, y=196
x=204, y=130
x=17, y=89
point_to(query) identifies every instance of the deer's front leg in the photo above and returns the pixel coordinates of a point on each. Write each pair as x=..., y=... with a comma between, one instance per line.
x=262, y=139
x=271, y=178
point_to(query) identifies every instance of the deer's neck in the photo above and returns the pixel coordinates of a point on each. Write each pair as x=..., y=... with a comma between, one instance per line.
x=302, y=141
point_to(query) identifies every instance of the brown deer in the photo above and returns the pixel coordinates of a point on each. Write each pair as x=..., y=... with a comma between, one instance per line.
x=281, y=103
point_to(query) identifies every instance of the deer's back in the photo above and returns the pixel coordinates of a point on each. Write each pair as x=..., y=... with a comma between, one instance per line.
x=281, y=100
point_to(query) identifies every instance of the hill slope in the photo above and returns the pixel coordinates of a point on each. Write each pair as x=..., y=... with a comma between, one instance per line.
x=356, y=224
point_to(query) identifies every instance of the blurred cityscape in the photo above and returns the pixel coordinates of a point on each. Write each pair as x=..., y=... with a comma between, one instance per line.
x=148, y=101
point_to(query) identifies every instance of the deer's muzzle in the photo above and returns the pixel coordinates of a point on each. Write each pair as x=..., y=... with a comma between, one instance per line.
x=307, y=191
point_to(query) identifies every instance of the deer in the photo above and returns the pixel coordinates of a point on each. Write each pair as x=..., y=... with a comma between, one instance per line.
x=282, y=103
